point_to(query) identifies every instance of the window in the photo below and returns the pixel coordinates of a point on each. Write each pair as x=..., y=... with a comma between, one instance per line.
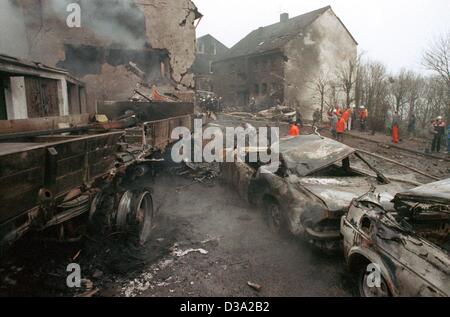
x=201, y=48
x=214, y=48
x=211, y=69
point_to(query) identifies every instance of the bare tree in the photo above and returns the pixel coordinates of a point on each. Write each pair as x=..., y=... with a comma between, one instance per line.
x=399, y=88
x=373, y=85
x=437, y=59
x=346, y=75
x=320, y=88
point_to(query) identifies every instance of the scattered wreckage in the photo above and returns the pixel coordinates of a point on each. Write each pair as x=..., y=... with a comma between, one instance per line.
x=275, y=114
x=315, y=183
x=407, y=238
x=65, y=180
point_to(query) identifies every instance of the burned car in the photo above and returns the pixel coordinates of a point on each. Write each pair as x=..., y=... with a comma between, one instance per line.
x=407, y=238
x=316, y=181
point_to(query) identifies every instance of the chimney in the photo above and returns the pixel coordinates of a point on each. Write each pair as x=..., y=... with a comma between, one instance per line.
x=284, y=17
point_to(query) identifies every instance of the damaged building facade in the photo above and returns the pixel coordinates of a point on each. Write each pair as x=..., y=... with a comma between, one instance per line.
x=120, y=45
x=281, y=62
x=30, y=90
x=209, y=50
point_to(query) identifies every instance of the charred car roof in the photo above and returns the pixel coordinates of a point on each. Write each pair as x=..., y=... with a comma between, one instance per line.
x=438, y=192
x=307, y=154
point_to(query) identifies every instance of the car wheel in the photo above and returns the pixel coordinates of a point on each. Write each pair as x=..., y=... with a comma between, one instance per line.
x=275, y=217
x=365, y=290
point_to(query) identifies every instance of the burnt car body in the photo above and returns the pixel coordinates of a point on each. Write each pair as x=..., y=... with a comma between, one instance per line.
x=407, y=238
x=313, y=187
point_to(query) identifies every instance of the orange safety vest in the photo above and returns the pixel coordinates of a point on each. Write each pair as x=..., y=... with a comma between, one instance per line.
x=294, y=131
x=346, y=115
x=340, y=126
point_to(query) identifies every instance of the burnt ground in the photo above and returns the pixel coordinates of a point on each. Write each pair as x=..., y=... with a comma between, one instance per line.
x=207, y=216
x=231, y=242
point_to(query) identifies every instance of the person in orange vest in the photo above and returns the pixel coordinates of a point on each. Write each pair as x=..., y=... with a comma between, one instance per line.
x=347, y=115
x=395, y=126
x=340, y=129
x=294, y=131
x=363, y=114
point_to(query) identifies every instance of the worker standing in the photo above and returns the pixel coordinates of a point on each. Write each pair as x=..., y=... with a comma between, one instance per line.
x=340, y=129
x=333, y=123
x=432, y=132
x=412, y=126
x=395, y=128
x=252, y=105
x=440, y=132
x=299, y=118
x=363, y=118
x=347, y=114
x=294, y=130
x=388, y=122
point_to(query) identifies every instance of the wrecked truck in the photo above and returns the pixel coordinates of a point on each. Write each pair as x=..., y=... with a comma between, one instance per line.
x=66, y=180
x=315, y=183
x=407, y=239
x=60, y=182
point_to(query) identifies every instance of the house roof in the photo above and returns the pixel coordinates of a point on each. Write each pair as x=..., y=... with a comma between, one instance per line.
x=10, y=64
x=275, y=36
x=212, y=37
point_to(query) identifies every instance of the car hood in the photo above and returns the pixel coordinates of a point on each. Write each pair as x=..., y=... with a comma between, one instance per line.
x=338, y=192
x=438, y=192
x=307, y=154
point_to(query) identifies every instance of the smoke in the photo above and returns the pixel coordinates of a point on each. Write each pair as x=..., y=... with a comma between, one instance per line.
x=13, y=39
x=120, y=21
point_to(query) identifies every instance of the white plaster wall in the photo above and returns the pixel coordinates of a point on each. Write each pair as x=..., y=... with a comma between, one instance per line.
x=18, y=108
x=325, y=46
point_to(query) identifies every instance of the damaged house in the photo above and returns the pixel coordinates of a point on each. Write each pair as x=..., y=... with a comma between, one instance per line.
x=281, y=62
x=209, y=50
x=117, y=47
x=30, y=90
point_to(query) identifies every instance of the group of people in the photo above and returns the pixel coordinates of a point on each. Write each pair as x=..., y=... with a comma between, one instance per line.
x=340, y=121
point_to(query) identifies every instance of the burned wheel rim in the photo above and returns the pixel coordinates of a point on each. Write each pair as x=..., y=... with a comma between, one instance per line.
x=135, y=214
x=371, y=291
x=144, y=216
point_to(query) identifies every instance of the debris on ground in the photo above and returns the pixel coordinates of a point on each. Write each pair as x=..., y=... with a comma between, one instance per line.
x=202, y=171
x=255, y=286
x=180, y=253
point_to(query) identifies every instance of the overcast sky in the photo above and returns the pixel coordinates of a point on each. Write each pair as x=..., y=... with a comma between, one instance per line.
x=394, y=32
